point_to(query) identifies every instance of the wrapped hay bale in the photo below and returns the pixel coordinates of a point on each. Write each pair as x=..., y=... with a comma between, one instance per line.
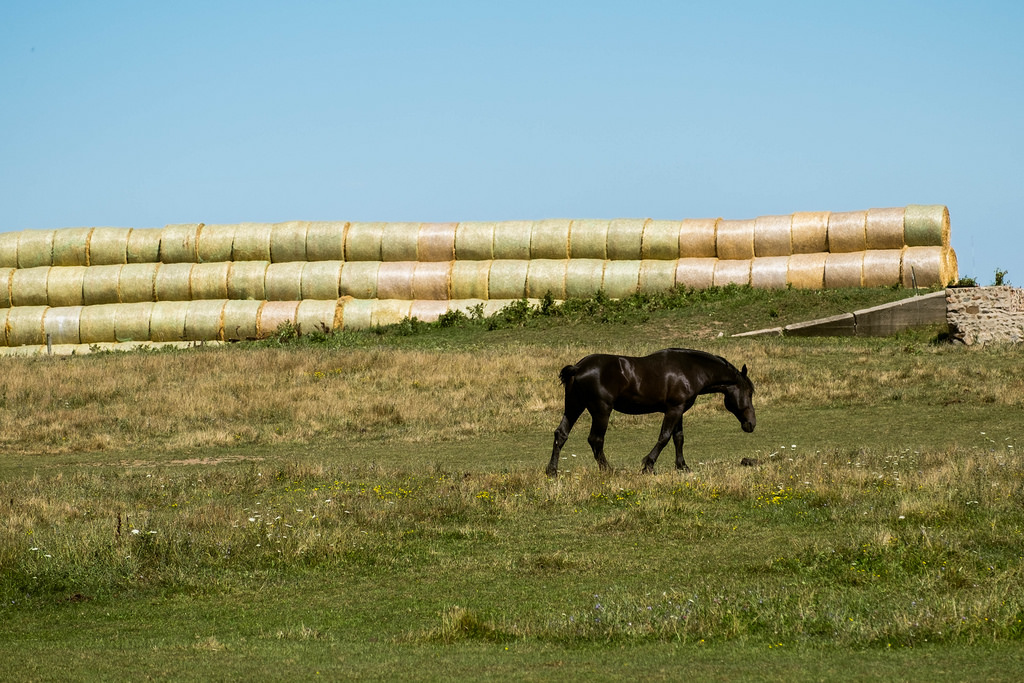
x=769, y=272
x=216, y=243
x=252, y=242
x=512, y=240
x=807, y=271
x=71, y=247
x=209, y=280
x=204, y=320
x=431, y=280
x=167, y=321
x=884, y=229
x=621, y=278
x=474, y=241
x=3, y=329
x=325, y=241
x=925, y=265
x=428, y=310
x=64, y=286
x=436, y=242
x=180, y=243
x=101, y=285
x=696, y=273
x=734, y=240
x=288, y=241
x=657, y=275
x=6, y=273
x=314, y=315
x=952, y=268
x=61, y=324
x=588, y=239
x=247, y=280
x=137, y=282
x=359, y=279
x=132, y=321
x=732, y=271
x=546, y=275
x=389, y=312
x=809, y=232
x=28, y=286
x=173, y=282
x=9, y=249
x=399, y=242
x=394, y=279
x=35, y=248
x=584, y=277
x=508, y=278
x=926, y=226
x=96, y=324
x=363, y=241
x=661, y=240
x=625, y=239
x=25, y=325
x=847, y=232
x=241, y=319
x=773, y=235
x=882, y=267
x=356, y=314
x=844, y=270
x=549, y=239
x=470, y=279
x=283, y=281
x=698, y=238
x=108, y=246
x=321, y=280
x=143, y=245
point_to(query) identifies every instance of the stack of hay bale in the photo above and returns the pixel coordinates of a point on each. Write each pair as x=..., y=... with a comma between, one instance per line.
x=196, y=283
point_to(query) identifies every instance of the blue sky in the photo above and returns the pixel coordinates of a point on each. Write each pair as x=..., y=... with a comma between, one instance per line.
x=140, y=114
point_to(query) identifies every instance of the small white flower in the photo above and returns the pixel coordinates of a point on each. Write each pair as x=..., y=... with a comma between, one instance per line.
x=33, y=549
x=252, y=519
x=902, y=517
x=136, y=532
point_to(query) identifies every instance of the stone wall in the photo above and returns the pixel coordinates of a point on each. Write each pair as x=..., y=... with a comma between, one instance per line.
x=982, y=315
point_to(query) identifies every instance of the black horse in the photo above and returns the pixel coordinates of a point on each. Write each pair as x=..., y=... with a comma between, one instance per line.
x=667, y=381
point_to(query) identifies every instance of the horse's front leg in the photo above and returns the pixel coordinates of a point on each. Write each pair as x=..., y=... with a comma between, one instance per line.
x=677, y=439
x=673, y=417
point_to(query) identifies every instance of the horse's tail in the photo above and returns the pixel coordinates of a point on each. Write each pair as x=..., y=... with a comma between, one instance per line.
x=567, y=375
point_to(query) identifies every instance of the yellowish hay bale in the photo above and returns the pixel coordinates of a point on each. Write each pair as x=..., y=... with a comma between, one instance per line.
x=769, y=272
x=588, y=239
x=71, y=247
x=288, y=241
x=809, y=231
x=204, y=320
x=807, y=271
x=844, y=270
x=315, y=315
x=394, y=280
x=428, y=310
x=325, y=241
x=28, y=286
x=35, y=248
x=357, y=313
x=252, y=242
x=697, y=238
x=695, y=273
x=399, y=242
x=657, y=275
x=389, y=312
x=474, y=241
x=437, y=241
x=209, y=280
x=137, y=282
x=216, y=243
x=882, y=267
x=3, y=329
x=247, y=280
x=925, y=264
x=951, y=270
x=732, y=272
x=64, y=286
x=847, y=232
x=661, y=240
x=9, y=249
x=470, y=279
x=144, y=245
x=321, y=280
x=96, y=324
x=512, y=240
x=431, y=280
x=884, y=229
x=241, y=319
x=734, y=240
x=25, y=325
x=180, y=243
x=625, y=239
x=584, y=277
x=926, y=226
x=284, y=281
x=359, y=279
x=173, y=282
x=108, y=246
x=274, y=314
x=61, y=324
x=132, y=321
x=508, y=279
x=167, y=321
x=363, y=241
x=550, y=239
x=546, y=275
x=773, y=235
x=621, y=278
x=6, y=273
x=101, y=285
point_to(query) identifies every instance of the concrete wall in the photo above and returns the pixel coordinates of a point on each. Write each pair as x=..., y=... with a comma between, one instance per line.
x=982, y=315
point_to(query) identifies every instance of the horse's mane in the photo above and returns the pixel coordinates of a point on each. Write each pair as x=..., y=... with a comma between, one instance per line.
x=710, y=356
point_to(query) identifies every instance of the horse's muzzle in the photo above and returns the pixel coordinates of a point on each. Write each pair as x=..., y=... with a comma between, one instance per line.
x=748, y=427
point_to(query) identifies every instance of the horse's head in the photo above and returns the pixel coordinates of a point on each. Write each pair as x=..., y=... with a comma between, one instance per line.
x=739, y=400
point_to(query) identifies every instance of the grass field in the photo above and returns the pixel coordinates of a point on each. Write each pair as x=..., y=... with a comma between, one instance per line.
x=373, y=505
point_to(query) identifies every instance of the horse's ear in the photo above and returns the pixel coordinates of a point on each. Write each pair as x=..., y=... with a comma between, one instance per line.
x=744, y=370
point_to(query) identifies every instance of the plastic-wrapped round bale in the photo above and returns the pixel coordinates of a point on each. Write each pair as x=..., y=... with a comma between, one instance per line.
x=734, y=240
x=697, y=238
x=62, y=324
x=431, y=280
x=428, y=310
x=625, y=239
x=389, y=312
x=35, y=248
x=314, y=315
x=204, y=320
x=173, y=282
x=6, y=273
x=696, y=273
x=584, y=277
x=732, y=271
x=132, y=321
x=137, y=282
x=356, y=314
x=550, y=239
x=926, y=225
x=807, y=271
x=399, y=242
x=241, y=319
x=769, y=272
x=25, y=325
x=470, y=279
x=9, y=249
x=394, y=279
x=284, y=281
x=884, y=229
x=247, y=280
x=363, y=241
x=288, y=241
x=588, y=239
x=474, y=241
x=3, y=328
x=621, y=278
x=924, y=266
x=101, y=285
x=64, y=286
x=661, y=240
x=952, y=269
x=167, y=321
x=96, y=324
x=512, y=240
x=882, y=267
x=252, y=242
x=544, y=276
x=809, y=230
x=359, y=279
x=143, y=245
x=508, y=279
x=773, y=235
x=209, y=280
x=321, y=280
x=108, y=246
x=274, y=314
x=847, y=232
x=28, y=286
x=216, y=243
x=657, y=275
x=180, y=243
x=844, y=270
x=436, y=242
x=71, y=247
x=325, y=241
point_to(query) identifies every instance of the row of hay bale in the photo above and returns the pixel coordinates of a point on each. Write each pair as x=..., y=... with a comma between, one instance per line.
x=558, y=239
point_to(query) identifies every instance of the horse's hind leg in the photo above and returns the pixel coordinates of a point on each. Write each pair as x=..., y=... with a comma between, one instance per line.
x=673, y=419
x=572, y=413
x=598, y=426
x=677, y=439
